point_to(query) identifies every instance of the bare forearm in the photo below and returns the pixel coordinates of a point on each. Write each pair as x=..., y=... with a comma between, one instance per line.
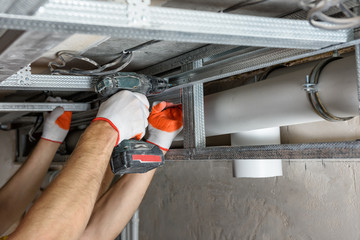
x=21, y=189
x=106, y=182
x=113, y=211
x=66, y=205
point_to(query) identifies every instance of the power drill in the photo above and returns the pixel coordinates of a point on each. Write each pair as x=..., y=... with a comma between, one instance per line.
x=133, y=156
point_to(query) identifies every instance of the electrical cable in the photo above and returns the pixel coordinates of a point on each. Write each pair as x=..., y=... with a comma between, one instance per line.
x=55, y=68
x=123, y=60
x=148, y=43
x=318, y=18
x=39, y=121
x=241, y=5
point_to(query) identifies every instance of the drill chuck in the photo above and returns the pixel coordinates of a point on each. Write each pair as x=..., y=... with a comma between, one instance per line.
x=147, y=85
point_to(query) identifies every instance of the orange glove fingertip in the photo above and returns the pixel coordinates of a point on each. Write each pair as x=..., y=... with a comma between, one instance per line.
x=64, y=120
x=159, y=107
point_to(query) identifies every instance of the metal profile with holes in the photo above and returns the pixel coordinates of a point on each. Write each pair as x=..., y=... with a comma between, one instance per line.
x=242, y=63
x=357, y=58
x=260, y=58
x=115, y=19
x=193, y=108
x=332, y=150
x=50, y=83
x=42, y=107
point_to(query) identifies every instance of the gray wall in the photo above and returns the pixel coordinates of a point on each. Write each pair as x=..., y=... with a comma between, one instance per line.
x=201, y=200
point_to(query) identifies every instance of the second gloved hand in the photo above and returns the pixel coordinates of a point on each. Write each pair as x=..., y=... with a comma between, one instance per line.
x=165, y=122
x=57, y=123
x=127, y=113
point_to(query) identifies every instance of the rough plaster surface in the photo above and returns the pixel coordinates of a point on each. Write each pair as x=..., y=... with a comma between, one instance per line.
x=201, y=200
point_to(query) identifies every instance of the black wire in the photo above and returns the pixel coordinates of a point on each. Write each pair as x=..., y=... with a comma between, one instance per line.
x=242, y=4
x=145, y=44
x=40, y=121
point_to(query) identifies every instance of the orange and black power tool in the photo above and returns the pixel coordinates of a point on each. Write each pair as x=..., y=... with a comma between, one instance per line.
x=133, y=156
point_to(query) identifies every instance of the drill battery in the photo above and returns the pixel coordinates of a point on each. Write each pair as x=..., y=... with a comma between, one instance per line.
x=133, y=156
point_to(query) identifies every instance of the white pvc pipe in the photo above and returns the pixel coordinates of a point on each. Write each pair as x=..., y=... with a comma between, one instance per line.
x=257, y=168
x=280, y=100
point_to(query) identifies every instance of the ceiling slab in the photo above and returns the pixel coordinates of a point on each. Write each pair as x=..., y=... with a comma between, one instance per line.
x=25, y=49
x=143, y=57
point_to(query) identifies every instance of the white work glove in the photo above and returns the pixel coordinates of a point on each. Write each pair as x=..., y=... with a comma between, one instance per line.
x=165, y=122
x=56, y=123
x=127, y=113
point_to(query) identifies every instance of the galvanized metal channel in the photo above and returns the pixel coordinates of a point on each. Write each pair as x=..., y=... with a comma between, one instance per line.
x=193, y=110
x=246, y=62
x=334, y=150
x=50, y=83
x=357, y=56
x=42, y=107
x=115, y=19
x=243, y=61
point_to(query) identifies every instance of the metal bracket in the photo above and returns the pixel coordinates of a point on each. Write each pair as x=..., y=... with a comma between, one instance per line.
x=24, y=76
x=310, y=87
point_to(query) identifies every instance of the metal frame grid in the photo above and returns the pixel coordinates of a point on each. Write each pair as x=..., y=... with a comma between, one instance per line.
x=242, y=62
x=114, y=19
x=169, y=24
x=311, y=151
x=249, y=61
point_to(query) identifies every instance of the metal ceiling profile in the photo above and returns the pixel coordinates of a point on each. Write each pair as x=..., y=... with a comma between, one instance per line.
x=332, y=150
x=42, y=107
x=115, y=19
x=50, y=83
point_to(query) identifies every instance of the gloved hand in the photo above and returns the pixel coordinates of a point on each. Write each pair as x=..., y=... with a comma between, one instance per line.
x=165, y=122
x=127, y=113
x=56, y=123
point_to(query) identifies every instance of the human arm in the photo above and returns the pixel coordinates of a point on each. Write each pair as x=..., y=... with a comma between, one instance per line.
x=115, y=208
x=113, y=211
x=63, y=211
x=106, y=182
x=21, y=189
